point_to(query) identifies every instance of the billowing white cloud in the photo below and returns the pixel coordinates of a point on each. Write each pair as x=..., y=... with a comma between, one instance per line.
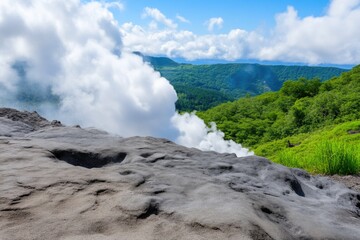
x=71, y=53
x=181, y=43
x=341, y=8
x=214, y=22
x=158, y=17
x=194, y=133
x=331, y=38
x=114, y=4
x=76, y=50
x=182, y=19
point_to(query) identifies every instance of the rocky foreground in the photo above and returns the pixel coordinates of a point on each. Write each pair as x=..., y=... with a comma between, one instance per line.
x=60, y=182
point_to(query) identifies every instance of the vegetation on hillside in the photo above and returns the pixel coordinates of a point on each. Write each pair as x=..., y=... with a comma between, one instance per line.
x=224, y=82
x=329, y=150
x=299, y=110
x=300, y=106
x=198, y=98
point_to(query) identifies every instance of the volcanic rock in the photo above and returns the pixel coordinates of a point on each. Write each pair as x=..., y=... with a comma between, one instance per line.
x=60, y=182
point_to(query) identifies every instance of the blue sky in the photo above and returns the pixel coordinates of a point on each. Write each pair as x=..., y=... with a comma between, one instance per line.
x=244, y=14
x=308, y=32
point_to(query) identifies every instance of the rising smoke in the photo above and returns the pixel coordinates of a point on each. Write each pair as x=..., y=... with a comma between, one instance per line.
x=65, y=60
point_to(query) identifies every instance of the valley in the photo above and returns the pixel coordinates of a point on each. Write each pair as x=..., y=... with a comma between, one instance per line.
x=200, y=87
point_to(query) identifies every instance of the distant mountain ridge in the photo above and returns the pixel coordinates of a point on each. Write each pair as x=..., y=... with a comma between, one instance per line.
x=158, y=62
x=201, y=87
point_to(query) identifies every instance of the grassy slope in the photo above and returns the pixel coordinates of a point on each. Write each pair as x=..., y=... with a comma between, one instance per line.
x=304, y=154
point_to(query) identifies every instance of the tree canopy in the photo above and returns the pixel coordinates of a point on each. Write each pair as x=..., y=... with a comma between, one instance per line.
x=300, y=106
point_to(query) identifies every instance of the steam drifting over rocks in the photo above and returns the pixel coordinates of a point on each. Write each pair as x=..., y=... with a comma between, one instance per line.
x=71, y=183
x=65, y=59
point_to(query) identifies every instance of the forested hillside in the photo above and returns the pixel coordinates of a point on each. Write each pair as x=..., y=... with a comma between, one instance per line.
x=201, y=87
x=308, y=124
x=300, y=106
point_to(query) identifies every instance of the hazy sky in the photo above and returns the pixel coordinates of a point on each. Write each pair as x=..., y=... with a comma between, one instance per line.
x=307, y=31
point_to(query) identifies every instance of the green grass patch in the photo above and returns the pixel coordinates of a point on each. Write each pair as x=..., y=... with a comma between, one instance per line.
x=337, y=157
x=290, y=159
x=331, y=150
x=330, y=157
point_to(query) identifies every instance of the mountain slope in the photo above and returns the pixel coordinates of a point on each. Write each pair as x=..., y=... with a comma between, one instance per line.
x=300, y=106
x=230, y=81
x=266, y=122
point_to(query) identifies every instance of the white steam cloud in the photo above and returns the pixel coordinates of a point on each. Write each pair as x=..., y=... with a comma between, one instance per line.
x=66, y=57
x=194, y=133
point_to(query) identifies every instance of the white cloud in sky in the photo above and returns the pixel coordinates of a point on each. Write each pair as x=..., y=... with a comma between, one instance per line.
x=158, y=17
x=331, y=38
x=182, y=19
x=114, y=4
x=181, y=43
x=214, y=22
x=74, y=51
x=341, y=8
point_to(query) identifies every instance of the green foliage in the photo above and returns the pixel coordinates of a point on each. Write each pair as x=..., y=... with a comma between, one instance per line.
x=301, y=88
x=330, y=157
x=190, y=98
x=289, y=159
x=330, y=150
x=231, y=81
x=299, y=107
x=335, y=157
x=285, y=73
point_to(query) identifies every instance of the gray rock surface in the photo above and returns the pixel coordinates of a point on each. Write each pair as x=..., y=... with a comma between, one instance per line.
x=66, y=183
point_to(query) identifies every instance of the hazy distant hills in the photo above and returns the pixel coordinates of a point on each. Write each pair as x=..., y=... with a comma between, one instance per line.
x=200, y=87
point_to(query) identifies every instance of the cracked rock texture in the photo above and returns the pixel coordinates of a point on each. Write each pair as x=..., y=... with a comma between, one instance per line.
x=67, y=183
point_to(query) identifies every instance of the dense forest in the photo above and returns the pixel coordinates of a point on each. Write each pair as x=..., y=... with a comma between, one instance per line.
x=301, y=107
x=201, y=87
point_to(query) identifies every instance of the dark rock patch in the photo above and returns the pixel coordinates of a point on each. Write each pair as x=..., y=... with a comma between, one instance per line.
x=87, y=159
x=152, y=209
x=353, y=131
x=258, y=233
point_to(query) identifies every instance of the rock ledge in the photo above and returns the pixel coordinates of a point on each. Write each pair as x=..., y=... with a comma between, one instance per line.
x=60, y=182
